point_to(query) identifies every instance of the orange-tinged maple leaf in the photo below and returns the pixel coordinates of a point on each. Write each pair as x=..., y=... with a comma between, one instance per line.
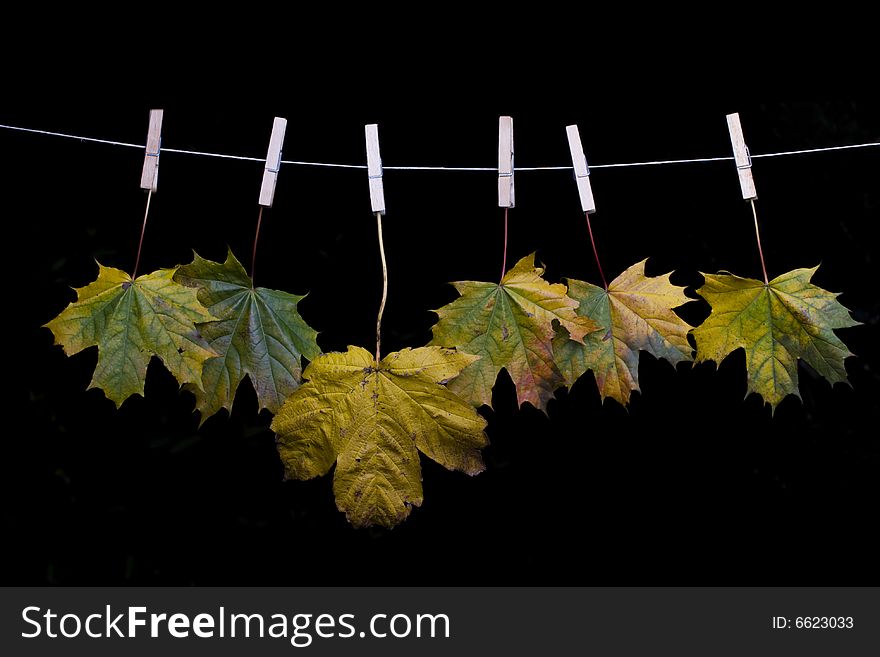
x=634, y=314
x=510, y=326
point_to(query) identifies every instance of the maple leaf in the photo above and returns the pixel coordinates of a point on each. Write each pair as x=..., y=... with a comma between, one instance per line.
x=130, y=321
x=634, y=314
x=373, y=422
x=777, y=323
x=510, y=326
x=257, y=332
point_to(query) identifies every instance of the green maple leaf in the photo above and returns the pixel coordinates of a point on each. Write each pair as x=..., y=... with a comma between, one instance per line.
x=256, y=333
x=776, y=324
x=130, y=321
x=634, y=314
x=510, y=326
x=372, y=422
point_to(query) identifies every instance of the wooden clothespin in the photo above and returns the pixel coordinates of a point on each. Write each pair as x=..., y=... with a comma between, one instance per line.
x=505, y=162
x=374, y=168
x=150, y=173
x=273, y=162
x=581, y=170
x=742, y=157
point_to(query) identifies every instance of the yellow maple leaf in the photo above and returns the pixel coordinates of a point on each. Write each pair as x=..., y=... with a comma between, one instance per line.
x=372, y=421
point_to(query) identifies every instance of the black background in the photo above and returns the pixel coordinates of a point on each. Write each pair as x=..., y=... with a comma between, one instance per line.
x=693, y=484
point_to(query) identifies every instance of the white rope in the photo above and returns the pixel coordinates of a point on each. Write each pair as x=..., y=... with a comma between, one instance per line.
x=430, y=168
x=818, y=150
x=61, y=134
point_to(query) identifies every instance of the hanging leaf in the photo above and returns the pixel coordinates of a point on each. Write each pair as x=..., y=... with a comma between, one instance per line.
x=373, y=422
x=510, y=326
x=634, y=314
x=130, y=321
x=257, y=332
x=776, y=324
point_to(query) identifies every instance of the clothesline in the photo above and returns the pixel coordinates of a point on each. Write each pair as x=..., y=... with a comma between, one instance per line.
x=439, y=168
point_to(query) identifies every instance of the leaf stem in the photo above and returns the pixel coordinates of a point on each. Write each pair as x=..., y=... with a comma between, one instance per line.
x=595, y=251
x=758, y=235
x=384, y=289
x=254, y=252
x=137, y=260
x=504, y=257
